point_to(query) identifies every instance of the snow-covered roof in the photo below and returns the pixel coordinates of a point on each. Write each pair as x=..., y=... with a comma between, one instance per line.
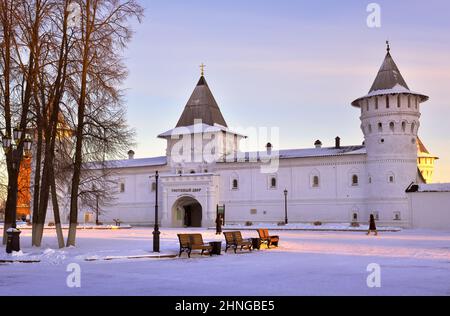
x=283, y=154
x=433, y=187
x=197, y=129
x=389, y=80
x=130, y=163
x=309, y=153
x=322, y=152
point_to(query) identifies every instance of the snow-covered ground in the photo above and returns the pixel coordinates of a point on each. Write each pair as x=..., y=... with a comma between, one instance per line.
x=310, y=226
x=412, y=262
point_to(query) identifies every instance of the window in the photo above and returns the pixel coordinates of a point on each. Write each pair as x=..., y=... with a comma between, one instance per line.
x=399, y=101
x=153, y=186
x=380, y=127
x=273, y=182
x=370, y=180
x=122, y=187
x=316, y=182
x=376, y=103
x=370, y=128
x=409, y=101
x=314, y=179
x=397, y=216
x=404, y=126
x=367, y=105
x=413, y=128
x=235, y=184
x=355, y=180
x=392, y=126
x=391, y=178
x=387, y=102
x=253, y=211
x=417, y=102
x=355, y=217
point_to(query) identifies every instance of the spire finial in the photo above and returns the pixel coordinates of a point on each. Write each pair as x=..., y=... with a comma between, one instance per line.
x=202, y=68
x=388, y=48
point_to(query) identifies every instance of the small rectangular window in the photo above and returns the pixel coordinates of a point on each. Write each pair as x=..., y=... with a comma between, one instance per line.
x=122, y=187
x=153, y=186
x=397, y=216
x=387, y=102
x=253, y=211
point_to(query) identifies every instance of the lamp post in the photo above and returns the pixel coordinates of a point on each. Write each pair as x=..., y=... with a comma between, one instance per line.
x=156, y=231
x=285, y=207
x=15, y=149
x=94, y=189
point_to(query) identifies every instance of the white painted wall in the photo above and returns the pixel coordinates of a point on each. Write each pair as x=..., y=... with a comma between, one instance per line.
x=430, y=210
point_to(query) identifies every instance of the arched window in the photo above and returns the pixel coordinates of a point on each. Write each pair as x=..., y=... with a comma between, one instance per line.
x=273, y=182
x=355, y=180
x=392, y=126
x=380, y=127
x=316, y=182
x=404, y=126
x=235, y=184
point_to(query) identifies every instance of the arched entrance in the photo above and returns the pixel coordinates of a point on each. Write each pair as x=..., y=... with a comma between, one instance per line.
x=187, y=212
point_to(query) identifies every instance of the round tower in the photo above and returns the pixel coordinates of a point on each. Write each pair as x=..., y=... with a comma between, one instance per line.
x=390, y=120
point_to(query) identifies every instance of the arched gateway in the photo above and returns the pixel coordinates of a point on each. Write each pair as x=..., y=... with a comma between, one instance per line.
x=187, y=212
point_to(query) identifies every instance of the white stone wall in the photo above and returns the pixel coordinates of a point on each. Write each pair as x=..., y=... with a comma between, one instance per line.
x=430, y=210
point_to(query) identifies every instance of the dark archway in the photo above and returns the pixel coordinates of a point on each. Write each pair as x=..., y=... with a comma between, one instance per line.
x=189, y=211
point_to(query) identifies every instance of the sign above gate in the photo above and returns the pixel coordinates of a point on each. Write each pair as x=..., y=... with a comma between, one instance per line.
x=189, y=190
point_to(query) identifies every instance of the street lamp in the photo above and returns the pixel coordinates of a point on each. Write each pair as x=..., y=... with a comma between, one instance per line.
x=15, y=149
x=94, y=189
x=285, y=207
x=156, y=231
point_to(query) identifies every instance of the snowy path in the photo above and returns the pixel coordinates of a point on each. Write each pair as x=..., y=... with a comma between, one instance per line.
x=307, y=263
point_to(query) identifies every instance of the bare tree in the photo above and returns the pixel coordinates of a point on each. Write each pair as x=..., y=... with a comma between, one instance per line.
x=104, y=34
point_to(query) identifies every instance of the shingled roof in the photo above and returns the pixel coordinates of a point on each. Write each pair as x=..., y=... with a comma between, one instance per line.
x=201, y=106
x=388, y=76
x=389, y=80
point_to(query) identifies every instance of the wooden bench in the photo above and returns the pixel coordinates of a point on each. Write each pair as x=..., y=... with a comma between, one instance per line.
x=234, y=240
x=189, y=242
x=267, y=239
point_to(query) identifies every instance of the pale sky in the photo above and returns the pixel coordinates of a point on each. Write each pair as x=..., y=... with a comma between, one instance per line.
x=296, y=65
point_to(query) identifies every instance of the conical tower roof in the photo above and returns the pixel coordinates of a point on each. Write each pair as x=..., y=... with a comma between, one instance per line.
x=201, y=106
x=388, y=76
x=389, y=80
